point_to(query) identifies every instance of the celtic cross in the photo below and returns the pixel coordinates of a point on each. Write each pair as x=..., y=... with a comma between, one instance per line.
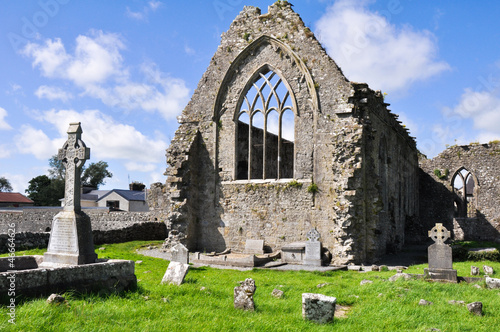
x=73, y=155
x=439, y=233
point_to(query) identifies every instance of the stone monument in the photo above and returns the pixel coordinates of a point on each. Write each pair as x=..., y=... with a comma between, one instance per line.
x=71, y=235
x=313, y=248
x=440, y=256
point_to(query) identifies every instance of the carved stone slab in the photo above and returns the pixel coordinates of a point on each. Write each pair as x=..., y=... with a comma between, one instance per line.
x=175, y=274
x=440, y=256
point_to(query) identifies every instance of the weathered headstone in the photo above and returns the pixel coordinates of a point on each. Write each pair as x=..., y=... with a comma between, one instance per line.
x=254, y=247
x=440, y=256
x=70, y=239
x=180, y=254
x=313, y=248
x=488, y=270
x=318, y=307
x=175, y=274
x=474, y=270
x=243, y=295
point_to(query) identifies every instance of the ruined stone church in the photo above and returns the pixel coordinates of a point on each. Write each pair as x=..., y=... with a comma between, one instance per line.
x=276, y=141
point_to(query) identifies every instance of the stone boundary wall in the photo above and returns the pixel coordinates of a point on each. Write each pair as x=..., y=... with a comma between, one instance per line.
x=32, y=227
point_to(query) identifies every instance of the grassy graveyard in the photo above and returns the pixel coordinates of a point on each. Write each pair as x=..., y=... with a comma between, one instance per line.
x=205, y=301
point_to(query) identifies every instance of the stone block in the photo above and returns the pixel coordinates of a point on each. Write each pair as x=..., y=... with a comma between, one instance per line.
x=293, y=253
x=488, y=270
x=493, y=283
x=254, y=247
x=318, y=308
x=476, y=308
x=175, y=274
x=449, y=275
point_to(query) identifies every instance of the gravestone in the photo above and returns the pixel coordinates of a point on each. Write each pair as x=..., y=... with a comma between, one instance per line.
x=318, y=308
x=243, y=295
x=254, y=247
x=70, y=239
x=180, y=254
x=440, y=256
x=175, y=274
x=313, y=249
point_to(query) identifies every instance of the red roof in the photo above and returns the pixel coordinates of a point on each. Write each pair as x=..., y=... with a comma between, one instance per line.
x=14, y=198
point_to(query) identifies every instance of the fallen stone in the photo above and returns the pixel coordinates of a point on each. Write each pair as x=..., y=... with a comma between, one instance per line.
x=397, y=276
x=138, y=262
x=474, y=270
x=55, y=299
x=318, y=308
x=476, y=308
x=354, y=267
x=277, y=293
x=175, y=274
x=102, y=248
x=322, y=285
x=243, y=295
x=424, y=302
x=365, y=281
x=488, y=270
x=375, y=268
x=456, y=302
x=477, y=286
x=492, y=283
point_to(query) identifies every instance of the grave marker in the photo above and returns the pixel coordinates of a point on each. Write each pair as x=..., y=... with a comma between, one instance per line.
x=313, y=248
x=70, y=239
x=440, y=256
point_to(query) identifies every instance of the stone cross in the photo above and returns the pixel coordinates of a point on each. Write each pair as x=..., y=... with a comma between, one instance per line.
x=313, y=235
x=73, y=155
x=439, y=234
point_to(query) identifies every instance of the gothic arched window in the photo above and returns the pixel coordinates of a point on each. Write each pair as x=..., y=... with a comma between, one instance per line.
x=464, y=188
x=265, y=129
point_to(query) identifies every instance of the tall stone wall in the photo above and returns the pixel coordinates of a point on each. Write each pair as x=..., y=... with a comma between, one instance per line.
x=32, y=226
x=437, y=196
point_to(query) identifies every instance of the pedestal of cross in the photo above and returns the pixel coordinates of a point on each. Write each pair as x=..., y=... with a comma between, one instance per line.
x=440, y=256
x=70, y=239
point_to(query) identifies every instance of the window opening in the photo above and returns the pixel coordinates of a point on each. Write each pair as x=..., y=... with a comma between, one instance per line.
x=463, y=187
x=266, y=130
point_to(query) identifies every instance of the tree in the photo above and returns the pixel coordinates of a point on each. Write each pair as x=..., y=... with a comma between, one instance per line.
x=92, y=176
x=5, y=185
x=57, y=170
x=95, y=174
x=45, y=191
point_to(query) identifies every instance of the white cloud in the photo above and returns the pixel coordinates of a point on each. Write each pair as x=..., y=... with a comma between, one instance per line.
x=370, y=49
x=483, y=108
x=139, y=167
x=3, y=124
x=107, y=138
x=143, y=14
x=52, y=93
x=97, y=68
x=36, y=142
x=4, y=151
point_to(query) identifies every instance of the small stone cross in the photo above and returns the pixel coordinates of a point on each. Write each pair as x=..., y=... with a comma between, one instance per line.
x=439, y=233
x=73, y=155
x=313, y=235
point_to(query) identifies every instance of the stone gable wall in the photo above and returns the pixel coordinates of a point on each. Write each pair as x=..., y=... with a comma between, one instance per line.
x=333, y=150
x=436, y=194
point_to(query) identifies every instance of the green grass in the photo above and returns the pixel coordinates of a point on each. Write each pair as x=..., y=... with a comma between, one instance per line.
x=380, y=306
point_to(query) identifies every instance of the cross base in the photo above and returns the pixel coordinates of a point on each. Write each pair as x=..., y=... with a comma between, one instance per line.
x=70, y=240
x=446, y=275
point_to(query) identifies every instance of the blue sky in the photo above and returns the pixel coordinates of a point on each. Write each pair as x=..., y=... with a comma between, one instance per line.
x=126, y=69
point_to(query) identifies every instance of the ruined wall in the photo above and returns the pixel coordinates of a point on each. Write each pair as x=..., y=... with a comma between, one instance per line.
x=206, y=201
x=437, y=196
x=32, y=227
